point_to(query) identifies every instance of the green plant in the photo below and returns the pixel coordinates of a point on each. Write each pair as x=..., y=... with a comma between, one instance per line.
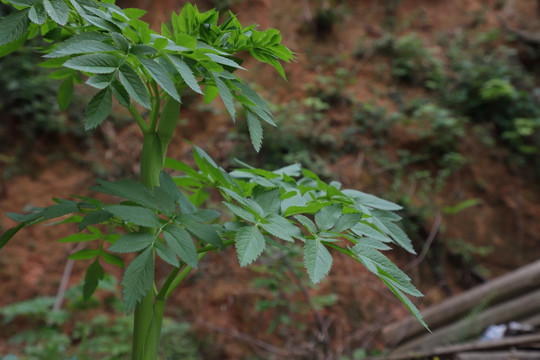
x=160, y=218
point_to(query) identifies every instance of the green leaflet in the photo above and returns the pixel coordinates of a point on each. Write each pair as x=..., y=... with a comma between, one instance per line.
x=65, y=93
x=135, y=214
x=98, y=108
x=241, y=212
x=166, y=254
x=95, y=217
x=134, y=86
x=85, y=254
x=161, y=75
x=128, y=189
x=224, y=61
x=281, y=228
x=13, y=26
x=185, y=72
x=112, y=259
x=317, y=260
x=132, y=242
x=37, y=14
x=371, y=200
x=120, y=93
x=94, y=273
x=138, y=279
x=327, y=217
x=249, y=244
x=347, y=221
x=94, y=63
x=204, y=232
x=255, y=130
x=226, y=96
x=57, y=10
x=81, y=47
x=182, y=244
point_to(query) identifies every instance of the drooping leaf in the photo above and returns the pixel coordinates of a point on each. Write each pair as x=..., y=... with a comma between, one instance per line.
x=185, y=72
x=13, y=26
x=226, y=96
x=128, y=189
x=138, y=279
x=94, y=63
x=249, y=244
x=94, y=273
x=132, y=242
x=65, y=93
x=98, y=108
x=182, y=244
x=134, y=86
x=57, y=10
x=317, y=260
x=135, y=214
x=255, y=130
x=161, y=75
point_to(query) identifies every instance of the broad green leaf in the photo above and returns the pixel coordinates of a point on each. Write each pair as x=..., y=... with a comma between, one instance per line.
x=134, y=86
x=13, y=26
x=135, y=214
x=85, y=254
x=120, y=93
x=281, y=228
x=95, y=217
x=185, y=72
x=12, y=46
x=37, y=14
x=161, y=76
x=138, y=279
x=132, y=242
x=94, y=63
x=94, y=273
x=307, y=223
x=98, y=108
x=327, y=217
x=363, y=229
x=79, y=237
x=128, y=189
x=166, y=254
x=182, y=244
x=82, y=47
x=226, y=96
x=347, y=221
x=240, y=212
x=57, y=10
x=317, y=260
x=269, y=200
x=204, y=232
x=371, y=200
x=249, y=244
x=65, y=93
x=121, y=41
x=255, y=130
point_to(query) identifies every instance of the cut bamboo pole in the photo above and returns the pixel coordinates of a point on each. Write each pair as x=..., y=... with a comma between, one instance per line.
x=513, y=284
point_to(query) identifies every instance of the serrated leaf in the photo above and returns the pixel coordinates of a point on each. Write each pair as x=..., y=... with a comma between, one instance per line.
x=37, y=14
x=100, y=81
x=248, y=203
x=204, y=232
x=269, y=200
x=134, y=86
x=79, y=237
x=132, y=242
x=134, y=13
x=182, y=244
x=327, y=217
x=138, y=279
x=95, y=217
x=317, y=260
x=135, y=214
x=347, y=221
x=57, y=10
x=94, y=63
x=371, y=200
x=249, y=244
x=255, y=130
x=307, y=223
x=165, y=201
x=98, y=109
x=81, y=47
x=128, y=189
x=161, y=76
x=224, y=61
x=408, y=304
x=65, y=93
x=185, y=72
x=6, y=236
x=226, y=96
x=281, y=228
x=85, y=254
x=166, y=254
x=120, y=93
x=13, y=26
x=121, y=41
x=61, y=209
x=94, y=273
x=363, y=229
x=169, y=186
x=240, y=212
